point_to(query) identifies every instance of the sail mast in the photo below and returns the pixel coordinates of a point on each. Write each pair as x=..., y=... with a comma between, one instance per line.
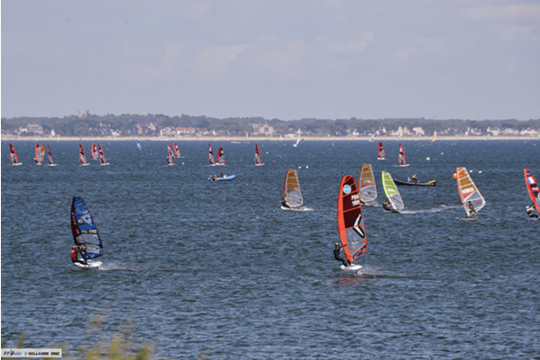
x=352, y=230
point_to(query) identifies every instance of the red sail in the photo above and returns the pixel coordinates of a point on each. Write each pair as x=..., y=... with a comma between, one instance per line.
x=169, y=150
x=82, y=156
x=50, y=155
x=36, y=152
x=257, y=154
x=211, y=157
x=221, y=156
x=382, y=153
x=176, y=150
x=95, y=154
x=352, y=231
x=13, y=154
x=532, y=188
x=101, y=155
x=401, y=158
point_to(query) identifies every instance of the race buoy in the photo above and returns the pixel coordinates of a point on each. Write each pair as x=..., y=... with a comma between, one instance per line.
x=299, y=167
x=442, y=153
x=470, y=171
x=480, y=172
x=307, y=167
x=267, y=153
x=428, y=158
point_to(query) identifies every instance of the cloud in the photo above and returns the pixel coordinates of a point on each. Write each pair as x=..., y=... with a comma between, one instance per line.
x=402, y=55
x=167, y=66
x=346, y=47
x=283, y=58
x=522, y=12
x=212, y=62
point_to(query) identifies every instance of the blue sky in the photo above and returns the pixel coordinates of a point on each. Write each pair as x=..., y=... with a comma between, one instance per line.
x=288, y=59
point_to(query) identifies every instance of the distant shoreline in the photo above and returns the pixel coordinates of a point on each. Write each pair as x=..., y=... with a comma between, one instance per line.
x=256, y=138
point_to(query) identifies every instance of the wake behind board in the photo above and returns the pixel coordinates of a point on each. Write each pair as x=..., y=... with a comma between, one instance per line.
x=353, y=267
x=472, y=219
x=91, y=264
x=404, y=165
x=259, y=164
x=292, y=209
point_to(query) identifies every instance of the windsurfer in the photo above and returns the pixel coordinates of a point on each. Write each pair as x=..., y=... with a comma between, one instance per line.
x=472, y=210
x=414, y=179
x=530, y=211
x=387, y=206
x=284, y=204
x=76, y=251
x=223, y=176
x=337, y=251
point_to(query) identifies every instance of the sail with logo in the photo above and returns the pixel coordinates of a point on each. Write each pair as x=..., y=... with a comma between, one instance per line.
x=221, y=157
x=351, y=227
x=381, y=152
x=292, y=194
x=82, y=156
x=51, y=161
x=258, y=161
x=85, y=232
x=94, y=152
x=13, y=156
x=468, y=192
x=366, y=180
x=211, y=157
x=532, y=188
x=40, y=154
x=102, y=159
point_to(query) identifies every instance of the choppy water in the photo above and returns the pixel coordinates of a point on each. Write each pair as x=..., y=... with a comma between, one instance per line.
x=196, y=263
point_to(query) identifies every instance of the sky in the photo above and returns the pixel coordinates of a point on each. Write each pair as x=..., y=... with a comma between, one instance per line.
x=285, y=59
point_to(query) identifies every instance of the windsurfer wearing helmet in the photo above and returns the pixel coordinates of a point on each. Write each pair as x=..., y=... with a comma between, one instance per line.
x=530, y=211
x=472, y=210
x=76, y=251
x=414, y=179
x=337, y=251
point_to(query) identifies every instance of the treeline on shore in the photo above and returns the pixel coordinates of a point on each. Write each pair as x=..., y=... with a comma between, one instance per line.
x=130, y=124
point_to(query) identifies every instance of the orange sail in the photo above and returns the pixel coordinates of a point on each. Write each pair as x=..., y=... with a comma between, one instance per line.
x=532, y=188
x=468, y=192
x=352, y=230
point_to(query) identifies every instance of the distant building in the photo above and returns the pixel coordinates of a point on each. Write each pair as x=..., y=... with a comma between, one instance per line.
x=31, y=128
x=83, y=113
x=259, y=129
x=418, y=130
x=167, y=131
x=139, y=129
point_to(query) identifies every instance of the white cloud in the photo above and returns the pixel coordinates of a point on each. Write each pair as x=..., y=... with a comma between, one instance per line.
x=214, y=61
x=270, y=55
x=521, y=12
x=167, y=66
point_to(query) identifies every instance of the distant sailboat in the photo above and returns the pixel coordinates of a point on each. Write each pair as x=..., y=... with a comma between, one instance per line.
x=297, y=139
x=372, y=138
x=221, y=157
x=381, y=152
x=352, y=230
x=401, y=158
x=292, y=194
x=50, y=157
x=532, y=188
x=176, y=151
x=392, y=193
x=170, y=155
x=434, y=136
x=139, y=146
x=13, y=156
x=366, y=180
x=468, y=192
x=257, y=156
x=94, y=152
x=40, y=154
x=82, y=156
x=102, y=159
x=246, y=138
x=211, y=158
x=85, y=232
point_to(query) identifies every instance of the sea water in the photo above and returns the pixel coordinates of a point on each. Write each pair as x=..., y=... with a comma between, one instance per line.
x=198, y=264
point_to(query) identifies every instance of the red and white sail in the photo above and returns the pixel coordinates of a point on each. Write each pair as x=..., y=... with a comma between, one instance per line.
x=352, y=230
x=95, y=153
x=40, y=153
x=221, y=156
x=257, y=155
x=176, y=150
x=102, y=159
x=13, y=155
x=401, y=157
x=532, y=188
x=381, y=151
x=211, y=158
x=468, y=192
x=82, y=156
x=50, y=158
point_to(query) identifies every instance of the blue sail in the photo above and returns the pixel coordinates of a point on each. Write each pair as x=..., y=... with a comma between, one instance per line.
x=84, y=229
x=139, y=147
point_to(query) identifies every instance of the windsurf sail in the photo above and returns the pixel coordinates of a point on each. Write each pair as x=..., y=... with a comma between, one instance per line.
x=13, y=155
x=292, y=195
x=257, y=155
x=82, y=156
x=84, y=229
x=434, y=136
x=468, y=191
x=95, y=153
x=176, y=150
x=221, y=156
x=381, y=151
x=40, y=153
x=246, y=138
x=352, y=230
x=297, y=139
x=169, y=150
x=401, y=158
x=372, y=137
x=392, y=192
x=211, y=157
x=366, y=180
x=102, y=159
x=532, y=188
x=51, y=162
x=139, y=146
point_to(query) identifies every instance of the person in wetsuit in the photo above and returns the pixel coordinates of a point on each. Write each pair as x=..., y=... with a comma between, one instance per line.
x=414, y=179
x=223, y=176
x=337, y=250
x=284, y=204
x=530, y=211
x=75, y=251
x=472, y=210
x=387, y=206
